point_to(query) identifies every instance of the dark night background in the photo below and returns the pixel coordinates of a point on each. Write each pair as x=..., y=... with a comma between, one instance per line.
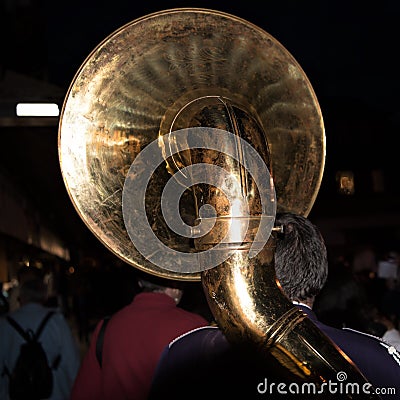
x=348, y=49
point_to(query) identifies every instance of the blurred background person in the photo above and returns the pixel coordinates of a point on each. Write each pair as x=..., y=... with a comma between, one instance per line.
x=24, y=274
x=133, y=341
x=382, y=326
x=57, y=339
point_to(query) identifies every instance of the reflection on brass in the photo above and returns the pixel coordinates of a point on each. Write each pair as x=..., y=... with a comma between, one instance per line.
x=222, y=113
x=250, y=308
x=133, y=84
x=182, y=68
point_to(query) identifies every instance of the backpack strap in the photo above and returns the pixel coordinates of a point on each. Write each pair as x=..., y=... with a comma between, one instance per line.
x=18, y=328
x=43, y=323
x=27, y=335
x=100, y=340
x=56, y=362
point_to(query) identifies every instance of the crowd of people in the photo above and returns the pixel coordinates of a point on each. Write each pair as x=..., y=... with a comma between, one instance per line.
x=359, y=296
x=156, y=343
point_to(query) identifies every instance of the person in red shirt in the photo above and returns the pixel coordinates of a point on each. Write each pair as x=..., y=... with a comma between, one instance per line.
x=132, y=344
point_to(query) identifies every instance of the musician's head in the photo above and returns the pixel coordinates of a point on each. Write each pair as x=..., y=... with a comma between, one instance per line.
x=301, y=261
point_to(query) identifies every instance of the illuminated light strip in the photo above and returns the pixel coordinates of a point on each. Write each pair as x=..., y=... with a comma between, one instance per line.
x=37, y=110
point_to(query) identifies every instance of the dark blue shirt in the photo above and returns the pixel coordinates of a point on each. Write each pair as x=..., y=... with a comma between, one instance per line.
x=203, y=363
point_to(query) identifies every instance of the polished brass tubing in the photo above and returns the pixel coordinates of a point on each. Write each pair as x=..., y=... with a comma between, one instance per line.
x=251, y=309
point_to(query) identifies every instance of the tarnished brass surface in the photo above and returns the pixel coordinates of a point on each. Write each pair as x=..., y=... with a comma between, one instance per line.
x=243, y=209
x=132, y=86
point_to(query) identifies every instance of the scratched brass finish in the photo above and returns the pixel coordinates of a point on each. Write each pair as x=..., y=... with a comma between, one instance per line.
x=131, y=87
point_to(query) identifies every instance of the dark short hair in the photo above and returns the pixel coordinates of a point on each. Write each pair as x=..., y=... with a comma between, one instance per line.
x=301, y=261
x=33, y=290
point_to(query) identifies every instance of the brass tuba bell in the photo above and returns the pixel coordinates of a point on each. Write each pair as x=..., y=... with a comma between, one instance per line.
x=165, y=81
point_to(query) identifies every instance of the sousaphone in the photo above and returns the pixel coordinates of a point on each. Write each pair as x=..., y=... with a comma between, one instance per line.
x=186, y=87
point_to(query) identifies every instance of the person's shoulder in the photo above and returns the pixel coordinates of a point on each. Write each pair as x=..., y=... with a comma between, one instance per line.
x=187, y=319
x=200, y=334
x=204, y=341
x=361, y=336
x=55, y=314
x=373, y=343
x=54, y=310
x=190, y=314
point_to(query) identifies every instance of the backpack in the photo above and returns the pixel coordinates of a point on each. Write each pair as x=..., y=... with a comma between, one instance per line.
x=31, y=377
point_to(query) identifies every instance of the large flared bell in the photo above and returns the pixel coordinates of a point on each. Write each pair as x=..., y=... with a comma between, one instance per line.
x=132, y=86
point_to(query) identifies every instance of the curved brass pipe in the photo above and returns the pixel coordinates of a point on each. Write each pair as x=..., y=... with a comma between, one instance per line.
x=251, y=309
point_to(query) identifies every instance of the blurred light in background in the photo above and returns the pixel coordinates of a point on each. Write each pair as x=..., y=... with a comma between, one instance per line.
x=37, y=110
